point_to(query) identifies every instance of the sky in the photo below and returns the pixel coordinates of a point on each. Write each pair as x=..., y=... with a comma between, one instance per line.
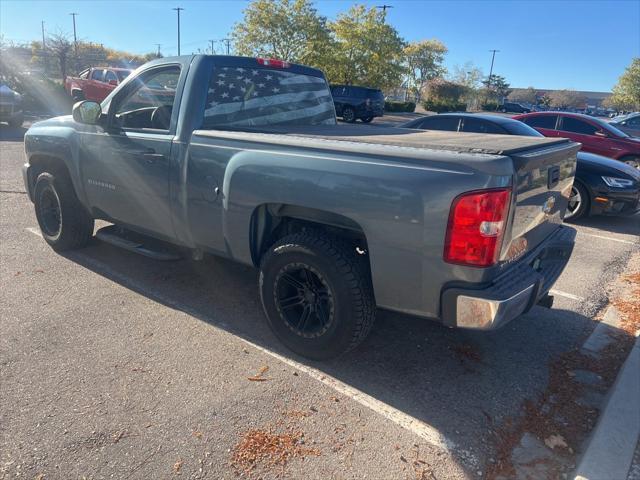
x=547, y=44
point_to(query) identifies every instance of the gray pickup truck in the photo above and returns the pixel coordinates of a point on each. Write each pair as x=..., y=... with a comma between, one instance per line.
x=243, y=158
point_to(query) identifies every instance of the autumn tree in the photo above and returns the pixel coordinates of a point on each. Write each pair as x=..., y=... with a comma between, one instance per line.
x=366, y=50
x=525, y=95
x=626, y=93
x=61, y=49
x=567, y=99
x=424, y=61
x=496, y=86
x=290, y=30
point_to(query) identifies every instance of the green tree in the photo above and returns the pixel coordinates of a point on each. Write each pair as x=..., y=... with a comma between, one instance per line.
x=290, y=30
x=497, y=86
x=626, y=93
x=366, y=50
x=424, y=61
x=526, y=95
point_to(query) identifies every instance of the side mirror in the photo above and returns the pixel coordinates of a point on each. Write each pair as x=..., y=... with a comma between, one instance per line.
x=87, y=112
x=113, y=82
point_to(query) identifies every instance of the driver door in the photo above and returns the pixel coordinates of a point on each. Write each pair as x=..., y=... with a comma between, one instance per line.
x=126, y=165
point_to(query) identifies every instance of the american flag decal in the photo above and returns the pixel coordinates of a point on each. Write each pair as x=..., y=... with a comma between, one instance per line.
x=266, y=97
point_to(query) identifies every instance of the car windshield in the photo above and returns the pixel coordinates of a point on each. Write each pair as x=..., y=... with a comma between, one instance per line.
x=609, y=128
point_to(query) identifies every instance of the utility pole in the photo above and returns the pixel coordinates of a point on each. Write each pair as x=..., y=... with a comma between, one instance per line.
x=44, y=50
x=493, y=57
x=227, y=42
x=75, y=36
x=211, y=41
x=158, y=45
x=384, y=7
x=178, y=9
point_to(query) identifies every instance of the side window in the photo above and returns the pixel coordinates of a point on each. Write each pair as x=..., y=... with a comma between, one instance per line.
x=110, y=77
x=97, y=75
x=570, y=124
x=339, y=91
x=542, y=121
x=84, y=75
x=441, y=123
x=148, y=102
x=480, y=126
x=633, y=122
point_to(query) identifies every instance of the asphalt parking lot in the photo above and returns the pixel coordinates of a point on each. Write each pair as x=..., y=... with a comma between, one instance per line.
x=113, y=365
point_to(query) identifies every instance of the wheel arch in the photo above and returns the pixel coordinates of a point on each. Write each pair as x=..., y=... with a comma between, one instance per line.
x=271, y=221
x=41, y=162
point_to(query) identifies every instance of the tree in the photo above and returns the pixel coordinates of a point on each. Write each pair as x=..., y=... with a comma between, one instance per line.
x=526, y=95
x=424, y=62
x=60, y=47
x=626, y=93
x=366, y=50
x=497, y=86
x=567, y=99
x=468, y=75
x=290, y=30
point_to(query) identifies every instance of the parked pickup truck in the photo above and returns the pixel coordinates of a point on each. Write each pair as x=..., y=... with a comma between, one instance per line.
x=95, y=83
x=242, y=158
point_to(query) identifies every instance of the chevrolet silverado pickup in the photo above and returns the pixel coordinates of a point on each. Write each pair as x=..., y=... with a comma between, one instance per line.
x=243, y=158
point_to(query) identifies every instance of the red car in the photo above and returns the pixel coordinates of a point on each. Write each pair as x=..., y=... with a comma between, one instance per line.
x=595, y=135
x=95, y=83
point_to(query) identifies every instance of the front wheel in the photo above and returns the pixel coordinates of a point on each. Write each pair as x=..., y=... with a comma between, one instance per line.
x=63, y=221
x=316, y=294
x=578, y=205
x=632, y=162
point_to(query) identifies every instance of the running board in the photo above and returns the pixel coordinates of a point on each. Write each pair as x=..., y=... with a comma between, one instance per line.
x=134, y=242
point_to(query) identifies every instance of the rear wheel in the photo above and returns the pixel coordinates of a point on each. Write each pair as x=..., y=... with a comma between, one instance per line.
x=63, y=221
x=316, y=294
x=349, y=115
x=77, y=95
x=16, y=122
x=578, y=202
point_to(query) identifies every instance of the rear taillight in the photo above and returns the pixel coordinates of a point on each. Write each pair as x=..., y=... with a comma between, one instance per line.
x=476, y=226
x=273, y=62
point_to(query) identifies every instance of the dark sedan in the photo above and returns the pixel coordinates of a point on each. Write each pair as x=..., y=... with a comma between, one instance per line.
x=602, y=186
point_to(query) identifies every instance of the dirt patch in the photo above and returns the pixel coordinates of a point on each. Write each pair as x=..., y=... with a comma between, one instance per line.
x=556, y=418
x=262, y=450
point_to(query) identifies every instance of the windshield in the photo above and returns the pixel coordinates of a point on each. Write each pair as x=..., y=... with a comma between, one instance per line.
x=518, y=128
x=243, y=97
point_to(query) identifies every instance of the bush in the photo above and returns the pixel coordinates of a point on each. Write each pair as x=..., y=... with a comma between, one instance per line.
x=490, y=105
x=444, y=105
x=394, y=106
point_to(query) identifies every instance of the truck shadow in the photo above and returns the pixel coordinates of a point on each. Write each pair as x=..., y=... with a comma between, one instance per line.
x=462, y=383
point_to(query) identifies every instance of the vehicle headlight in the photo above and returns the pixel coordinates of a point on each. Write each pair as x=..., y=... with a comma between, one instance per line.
x=617, y=182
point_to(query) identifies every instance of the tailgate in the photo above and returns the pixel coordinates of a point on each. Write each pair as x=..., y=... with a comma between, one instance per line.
x=543, y=185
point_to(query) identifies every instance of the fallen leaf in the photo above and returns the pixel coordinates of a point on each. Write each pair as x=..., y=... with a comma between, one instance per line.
x=555, y=441
x=197, y=434
x=258, y=377
x=177, y=466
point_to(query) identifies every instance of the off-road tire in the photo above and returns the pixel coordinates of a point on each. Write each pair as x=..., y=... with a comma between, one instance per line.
x=75, y=224
x=349, y=283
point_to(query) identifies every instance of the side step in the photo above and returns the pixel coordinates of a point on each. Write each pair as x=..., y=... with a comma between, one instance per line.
x=134, y=242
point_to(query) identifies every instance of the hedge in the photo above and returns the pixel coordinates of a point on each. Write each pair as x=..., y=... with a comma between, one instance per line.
x=393, y=106
x=442, y=105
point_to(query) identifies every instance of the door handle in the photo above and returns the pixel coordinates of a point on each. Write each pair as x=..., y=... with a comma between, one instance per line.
x=150, y=156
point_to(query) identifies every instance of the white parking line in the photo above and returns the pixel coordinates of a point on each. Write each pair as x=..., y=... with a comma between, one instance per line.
x=35, y=231
x=629, y=242
x=412, y=424
x=560, y=293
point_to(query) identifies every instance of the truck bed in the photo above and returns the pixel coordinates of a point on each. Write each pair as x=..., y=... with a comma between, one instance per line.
x=392, y=136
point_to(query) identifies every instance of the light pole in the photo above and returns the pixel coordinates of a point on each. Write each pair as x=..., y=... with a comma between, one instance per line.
x=211, y=41
x=227, y=42
x=158, y=45
x=178, y=9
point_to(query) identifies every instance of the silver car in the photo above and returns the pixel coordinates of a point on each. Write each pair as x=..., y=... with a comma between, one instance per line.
x=629, y=124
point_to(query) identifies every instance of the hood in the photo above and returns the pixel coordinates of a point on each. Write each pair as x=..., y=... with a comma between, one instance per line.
x=6, y=92
x=607, y=166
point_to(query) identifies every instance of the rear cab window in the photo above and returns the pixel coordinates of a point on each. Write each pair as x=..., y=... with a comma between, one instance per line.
x=475, y=125
x=542, y=121
x=440, y=123
x=259, y=96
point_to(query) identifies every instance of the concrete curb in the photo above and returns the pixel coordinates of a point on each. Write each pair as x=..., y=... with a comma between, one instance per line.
x=610, y=450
